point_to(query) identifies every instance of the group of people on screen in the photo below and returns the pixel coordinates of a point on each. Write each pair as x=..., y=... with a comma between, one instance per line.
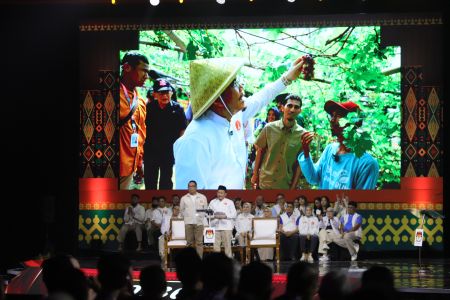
x=306, y=229
x=210, y=142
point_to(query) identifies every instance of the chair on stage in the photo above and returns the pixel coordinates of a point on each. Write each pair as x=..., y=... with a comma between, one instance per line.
x=175, y=238
x=264, y=235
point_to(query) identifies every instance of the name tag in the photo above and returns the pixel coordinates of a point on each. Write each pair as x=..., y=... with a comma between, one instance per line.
x=134, y=140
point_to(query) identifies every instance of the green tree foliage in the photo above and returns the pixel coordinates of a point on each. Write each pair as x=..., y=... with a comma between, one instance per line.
x=351, y=65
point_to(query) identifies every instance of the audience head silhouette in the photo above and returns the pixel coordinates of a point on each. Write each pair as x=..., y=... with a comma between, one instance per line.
x=114, y=271
x=153, y=282
x=302, y=280
x=255, y=281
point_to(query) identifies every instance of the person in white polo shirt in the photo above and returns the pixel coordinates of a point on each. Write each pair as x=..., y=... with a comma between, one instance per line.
x=288, y=233
x=223, y=222
x=193, y=220
x=308, y=228
x=244, y=224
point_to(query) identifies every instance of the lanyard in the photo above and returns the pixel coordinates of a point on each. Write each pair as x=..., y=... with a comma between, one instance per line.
x=127, y=97
x=132, y=104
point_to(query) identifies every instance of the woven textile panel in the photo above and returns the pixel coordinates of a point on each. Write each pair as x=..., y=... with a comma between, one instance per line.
x=98, y=129
x=422, y=126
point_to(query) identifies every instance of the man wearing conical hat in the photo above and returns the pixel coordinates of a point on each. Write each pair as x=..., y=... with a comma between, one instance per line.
x=339, y=168
x=212, y=150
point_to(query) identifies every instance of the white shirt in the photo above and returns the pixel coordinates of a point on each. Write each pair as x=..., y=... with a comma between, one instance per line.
x=276, y=209
x=333, y=222
x=259, y=212
x=188, y=208
x=157, y=215
x=244, y=222
x=226, y=206
x=139, y=215
x=248, y=132
x=289, y=223
x=148, y=217
x=212, y=150
x=308, y=225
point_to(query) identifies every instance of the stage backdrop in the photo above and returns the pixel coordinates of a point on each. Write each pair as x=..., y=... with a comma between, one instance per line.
x=390, y=216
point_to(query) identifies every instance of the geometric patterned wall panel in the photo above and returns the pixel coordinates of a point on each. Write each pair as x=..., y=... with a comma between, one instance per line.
x=384, y=228
x=98, y=129
x=422, y=126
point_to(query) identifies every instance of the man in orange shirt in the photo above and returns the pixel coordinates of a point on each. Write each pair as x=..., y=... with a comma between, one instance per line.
x=135, y=68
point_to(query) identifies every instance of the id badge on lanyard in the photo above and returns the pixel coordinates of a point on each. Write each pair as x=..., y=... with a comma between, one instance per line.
x=134, y=138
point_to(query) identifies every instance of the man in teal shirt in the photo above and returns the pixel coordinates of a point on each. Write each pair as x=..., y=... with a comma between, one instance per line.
x=338, y=168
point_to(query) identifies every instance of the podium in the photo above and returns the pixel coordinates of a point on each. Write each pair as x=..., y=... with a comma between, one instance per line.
x=209, y=233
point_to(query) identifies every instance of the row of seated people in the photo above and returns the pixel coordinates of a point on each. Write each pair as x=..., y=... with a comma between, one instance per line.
x=303, y=227
x=216, y=276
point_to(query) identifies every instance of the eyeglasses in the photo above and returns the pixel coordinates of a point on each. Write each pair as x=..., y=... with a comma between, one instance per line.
x=237, y=83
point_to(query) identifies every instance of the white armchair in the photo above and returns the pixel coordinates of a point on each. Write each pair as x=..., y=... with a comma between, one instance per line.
x=264, y=235
x=175, y=238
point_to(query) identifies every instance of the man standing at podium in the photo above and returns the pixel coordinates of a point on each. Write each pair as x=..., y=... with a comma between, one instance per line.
x=193, y=220
x=223, y=223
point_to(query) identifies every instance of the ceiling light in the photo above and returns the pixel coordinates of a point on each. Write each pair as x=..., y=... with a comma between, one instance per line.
x=221, y=1
x=154, y=2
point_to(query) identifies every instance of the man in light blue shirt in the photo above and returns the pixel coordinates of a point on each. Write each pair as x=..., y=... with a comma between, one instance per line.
x=338, y=167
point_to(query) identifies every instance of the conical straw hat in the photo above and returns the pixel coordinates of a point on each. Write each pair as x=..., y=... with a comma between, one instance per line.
x=209, y=78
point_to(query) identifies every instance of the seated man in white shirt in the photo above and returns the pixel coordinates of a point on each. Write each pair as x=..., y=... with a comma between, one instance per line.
x=148, y=221
x=350, y=230
x=223, y=222
x=158, y=214
x=175, y=200
x=244, y=224
x=258, y=210
x=288, y=234
x=280, y=207
x=329, y=230
x=308, y=227
x=133, y=221
x=165, y=227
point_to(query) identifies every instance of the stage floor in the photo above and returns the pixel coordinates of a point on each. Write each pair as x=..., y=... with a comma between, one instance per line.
x=408, y=275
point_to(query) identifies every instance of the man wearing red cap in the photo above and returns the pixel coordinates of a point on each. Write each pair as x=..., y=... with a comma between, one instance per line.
x=338, y=167
x=165, y=123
